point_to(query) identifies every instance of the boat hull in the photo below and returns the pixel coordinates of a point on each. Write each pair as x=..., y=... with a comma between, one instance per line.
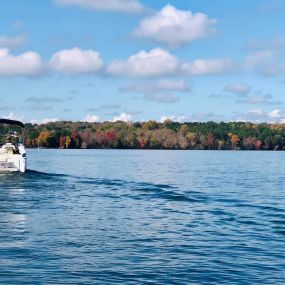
x=13, y=163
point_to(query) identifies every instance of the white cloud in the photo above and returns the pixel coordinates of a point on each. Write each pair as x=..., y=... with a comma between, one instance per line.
x=44, y=121
x=171, y=85
x=176, y=27
x=162, y=98
x=238, y=88
x=194, y=117
x=76, y=61
x=162, y=85
x=258, y=57
x=207, y=67
x=267, y=57
x=160, y=91
x=258, y=116
x=173, y=118
x=123, y=117
x=91, y=119
x=127, y=6
x=276, y=114
x=205, y=117
x=266, y=62
x=157, y=62
x=12, y=42
x=25, y=64
x=260, y=100
x=256, y=112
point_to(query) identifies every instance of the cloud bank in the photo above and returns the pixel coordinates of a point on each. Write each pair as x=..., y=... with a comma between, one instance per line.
x=159, y=62
x=144, y=64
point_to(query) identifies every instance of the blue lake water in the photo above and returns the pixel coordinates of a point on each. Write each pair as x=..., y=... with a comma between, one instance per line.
x=144, y=217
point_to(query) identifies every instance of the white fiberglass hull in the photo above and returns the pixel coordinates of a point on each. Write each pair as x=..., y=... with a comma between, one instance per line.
x=13, y=162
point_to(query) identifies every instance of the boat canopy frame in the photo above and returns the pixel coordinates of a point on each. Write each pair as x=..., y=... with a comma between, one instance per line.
x=12, y=122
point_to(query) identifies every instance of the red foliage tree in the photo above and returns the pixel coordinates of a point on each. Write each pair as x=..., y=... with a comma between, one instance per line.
x=258, y=145
x=62, y=140
x=211, y=140
x=142, y=141
x=75, y=139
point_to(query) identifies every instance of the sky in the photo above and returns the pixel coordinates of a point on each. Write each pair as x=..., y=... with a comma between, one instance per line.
x=139, y=60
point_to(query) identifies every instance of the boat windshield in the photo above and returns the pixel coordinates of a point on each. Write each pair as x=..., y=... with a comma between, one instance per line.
x=11, y=134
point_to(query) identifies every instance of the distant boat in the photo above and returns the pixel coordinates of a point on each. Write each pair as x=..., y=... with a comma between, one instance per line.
x=13, y=156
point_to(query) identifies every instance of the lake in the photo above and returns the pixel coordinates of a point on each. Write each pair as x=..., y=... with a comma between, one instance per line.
x=144, y=217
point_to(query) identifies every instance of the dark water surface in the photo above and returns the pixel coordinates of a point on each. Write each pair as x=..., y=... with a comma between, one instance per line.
x=144, y=217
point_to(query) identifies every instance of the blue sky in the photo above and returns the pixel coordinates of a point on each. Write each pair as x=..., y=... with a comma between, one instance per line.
x=136, y=60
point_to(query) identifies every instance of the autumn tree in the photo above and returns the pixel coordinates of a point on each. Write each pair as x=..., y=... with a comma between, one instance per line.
x=76, y=140
x=150, y=125
x=234, y=140
x=211, y=141
x=183, y=130
x=46, y=139
x=67, y=142
x=192, y=138
x=62, y=140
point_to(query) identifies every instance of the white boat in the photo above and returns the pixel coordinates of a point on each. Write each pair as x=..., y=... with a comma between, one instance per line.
x=13, y=156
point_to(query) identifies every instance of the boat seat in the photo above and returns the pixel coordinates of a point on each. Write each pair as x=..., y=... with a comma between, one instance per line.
x=9, y=149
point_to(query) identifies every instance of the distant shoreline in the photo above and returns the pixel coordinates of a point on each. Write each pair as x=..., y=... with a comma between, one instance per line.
x=154, y=135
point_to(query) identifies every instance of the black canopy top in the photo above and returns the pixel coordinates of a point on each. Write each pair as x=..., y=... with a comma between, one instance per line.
x=12, y=122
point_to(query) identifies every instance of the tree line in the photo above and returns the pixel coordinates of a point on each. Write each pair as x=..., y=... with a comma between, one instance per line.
x=154, y=135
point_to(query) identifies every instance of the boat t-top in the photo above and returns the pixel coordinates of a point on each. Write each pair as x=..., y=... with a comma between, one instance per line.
x=13, y=154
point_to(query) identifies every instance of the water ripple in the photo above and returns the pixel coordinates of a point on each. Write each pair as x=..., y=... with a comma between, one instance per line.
x=178, y=218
